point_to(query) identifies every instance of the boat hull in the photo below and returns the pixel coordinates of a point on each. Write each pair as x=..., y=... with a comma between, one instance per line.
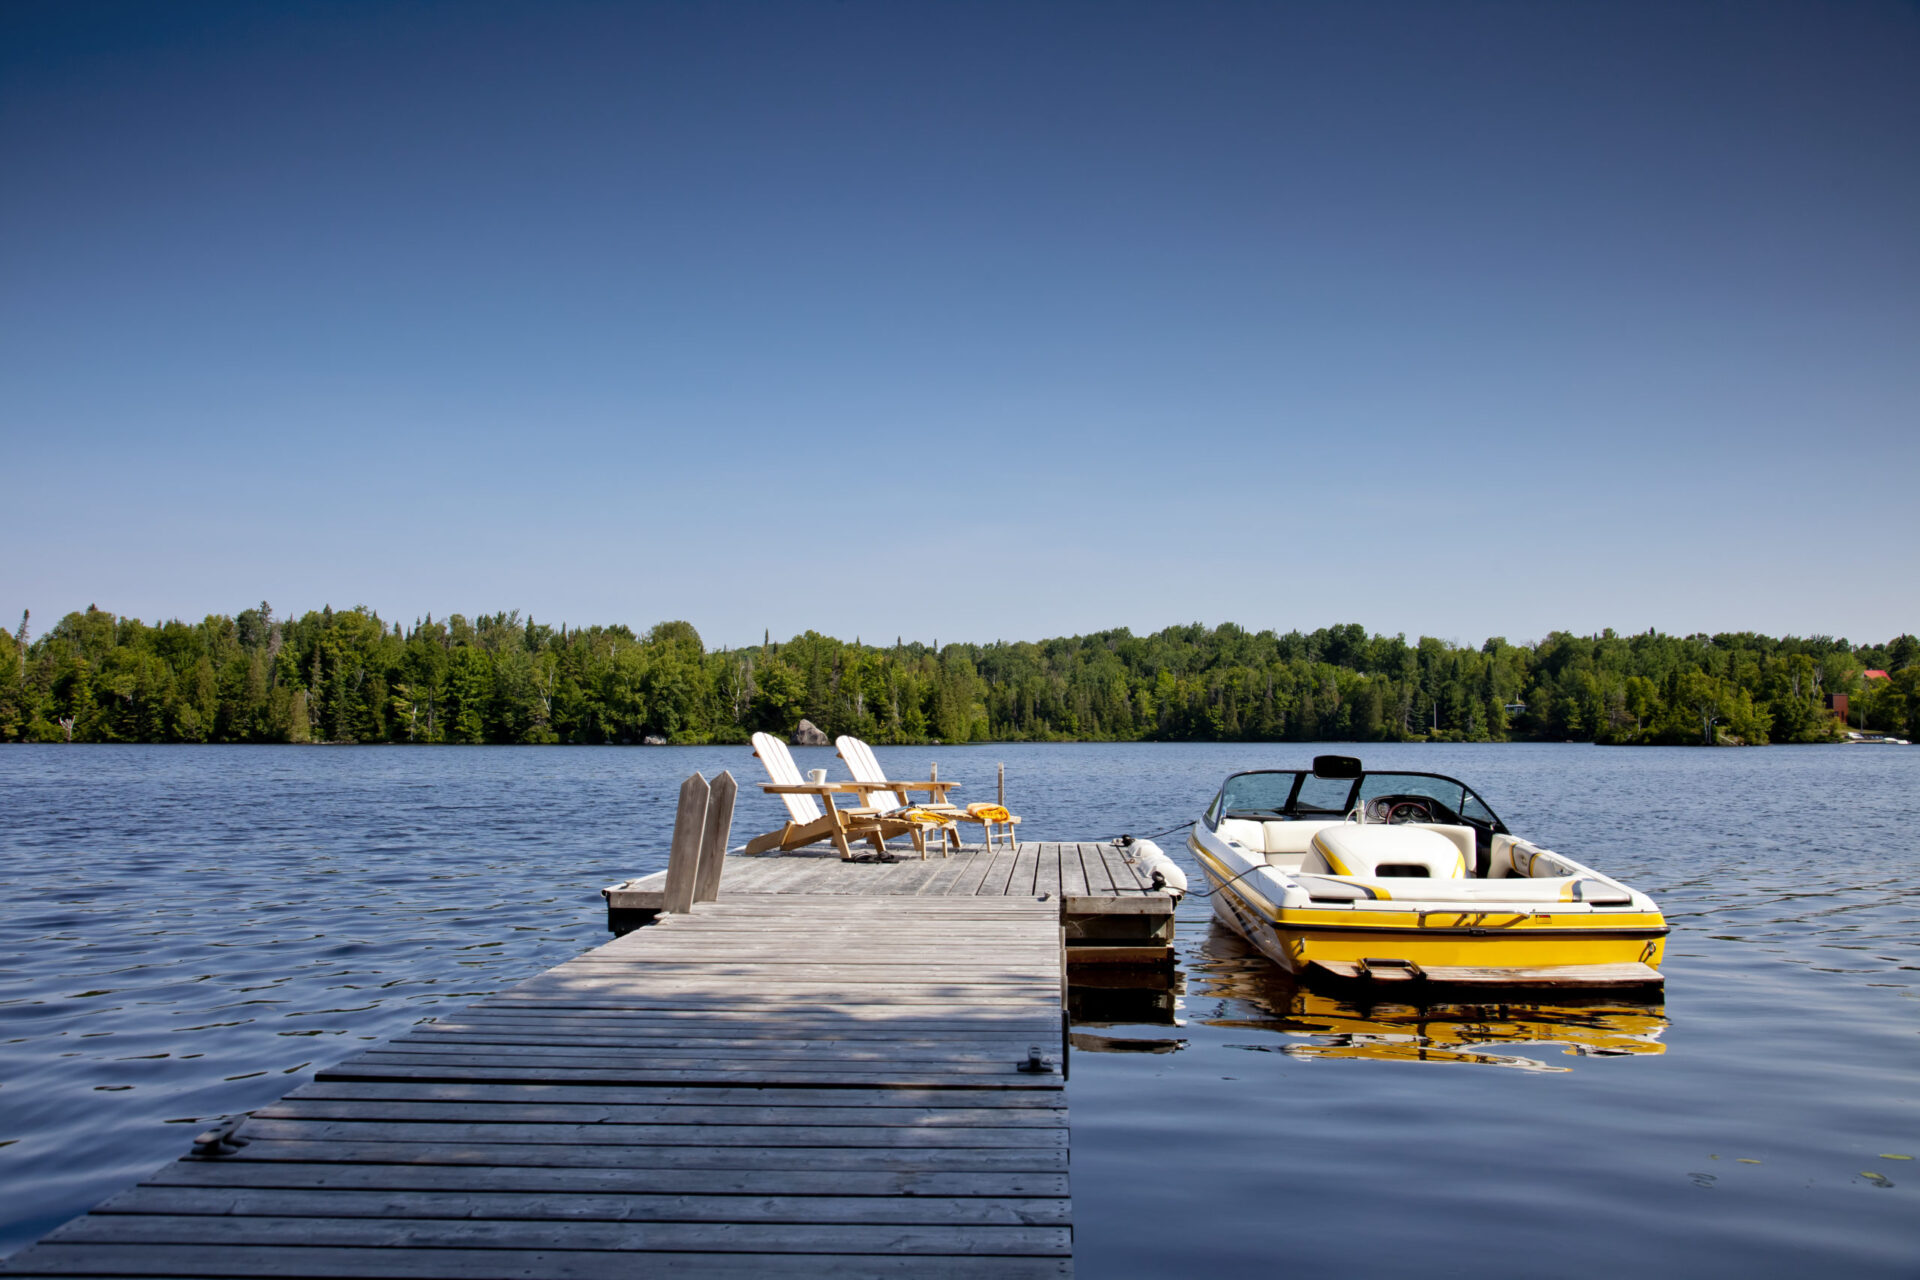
x=1465, y=944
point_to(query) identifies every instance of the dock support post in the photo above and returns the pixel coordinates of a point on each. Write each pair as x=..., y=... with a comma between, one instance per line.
x=689, y=832
x=713, y=841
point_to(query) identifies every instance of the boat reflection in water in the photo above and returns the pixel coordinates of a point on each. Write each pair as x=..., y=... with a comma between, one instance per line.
x=1233, y=985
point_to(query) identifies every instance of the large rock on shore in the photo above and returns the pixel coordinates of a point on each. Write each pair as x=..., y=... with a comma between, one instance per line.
x=808, y=735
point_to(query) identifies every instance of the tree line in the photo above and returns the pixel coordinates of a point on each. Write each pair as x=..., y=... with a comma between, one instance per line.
x=350, y=676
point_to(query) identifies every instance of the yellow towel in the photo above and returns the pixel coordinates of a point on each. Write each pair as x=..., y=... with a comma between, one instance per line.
x=928, y=816
x=989, y=812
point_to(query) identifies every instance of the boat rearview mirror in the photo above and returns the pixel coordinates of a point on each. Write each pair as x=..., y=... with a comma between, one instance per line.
x=1337, y=767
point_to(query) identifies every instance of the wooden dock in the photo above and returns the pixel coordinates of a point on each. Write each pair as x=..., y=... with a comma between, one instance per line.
x=1111, y=911
x=766, y=1086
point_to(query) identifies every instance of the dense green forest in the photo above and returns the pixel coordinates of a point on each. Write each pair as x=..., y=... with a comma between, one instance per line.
x=350, y=676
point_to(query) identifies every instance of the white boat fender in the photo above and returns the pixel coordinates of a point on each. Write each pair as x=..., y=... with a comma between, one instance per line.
x=1162, y=871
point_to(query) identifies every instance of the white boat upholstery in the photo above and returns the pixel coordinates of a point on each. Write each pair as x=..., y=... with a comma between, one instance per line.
x=1369, y=852
x=1566, y=893
x=1293, y=837
x=1515, y=857
x=1284, y=843
x=1462, y=836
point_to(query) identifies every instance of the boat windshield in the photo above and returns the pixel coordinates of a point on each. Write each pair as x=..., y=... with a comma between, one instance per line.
x=1283, y=794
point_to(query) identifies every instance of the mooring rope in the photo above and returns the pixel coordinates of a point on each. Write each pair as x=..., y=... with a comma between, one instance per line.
x=1125, y=840
x=1156, y=835
x=1208, y=893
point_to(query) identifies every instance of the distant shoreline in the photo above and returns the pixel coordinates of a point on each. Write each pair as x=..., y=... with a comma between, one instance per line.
x=352, y=676
x=1008, y=742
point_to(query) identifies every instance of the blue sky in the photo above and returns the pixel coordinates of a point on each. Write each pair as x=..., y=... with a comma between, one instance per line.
x=966, y=322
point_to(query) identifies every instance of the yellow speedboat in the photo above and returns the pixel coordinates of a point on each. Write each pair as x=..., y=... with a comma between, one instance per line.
x=1398, y=877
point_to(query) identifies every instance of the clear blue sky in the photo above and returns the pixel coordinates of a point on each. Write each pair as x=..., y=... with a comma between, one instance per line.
x=971, y=322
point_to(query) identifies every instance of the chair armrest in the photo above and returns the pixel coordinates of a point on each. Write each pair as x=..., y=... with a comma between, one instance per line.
x=936, y=789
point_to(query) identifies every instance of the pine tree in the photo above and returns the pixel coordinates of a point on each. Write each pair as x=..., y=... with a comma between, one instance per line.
x=299, y=728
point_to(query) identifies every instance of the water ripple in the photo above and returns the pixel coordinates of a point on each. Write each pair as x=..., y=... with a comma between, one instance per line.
x=188, y=932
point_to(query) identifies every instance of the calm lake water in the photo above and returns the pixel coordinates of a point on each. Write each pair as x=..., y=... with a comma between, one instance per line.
x=187, y=932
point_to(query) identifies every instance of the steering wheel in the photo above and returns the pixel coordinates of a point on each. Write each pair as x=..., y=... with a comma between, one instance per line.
x=1399, y=810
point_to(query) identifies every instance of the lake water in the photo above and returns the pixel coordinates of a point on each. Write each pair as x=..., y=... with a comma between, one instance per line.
x=187, y=932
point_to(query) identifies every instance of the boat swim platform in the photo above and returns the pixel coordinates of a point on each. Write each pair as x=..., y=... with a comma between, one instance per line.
x=1109, y=907
x=770, y=1084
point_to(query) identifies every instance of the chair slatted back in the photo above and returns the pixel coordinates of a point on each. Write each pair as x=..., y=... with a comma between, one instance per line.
x=784, y=772
x=864, y=767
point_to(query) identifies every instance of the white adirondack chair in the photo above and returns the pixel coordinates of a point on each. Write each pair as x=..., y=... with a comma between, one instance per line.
x=806, y=823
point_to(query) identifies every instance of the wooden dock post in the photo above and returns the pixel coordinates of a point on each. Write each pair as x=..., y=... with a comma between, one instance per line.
x=701, y=828
x=689, y=834
x=713, y=840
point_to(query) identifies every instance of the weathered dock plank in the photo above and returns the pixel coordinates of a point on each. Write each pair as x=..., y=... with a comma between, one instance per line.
x=509, y=1110
x=282, y=1260
x=536, y=1205
x=798, y=1160
x=673, y=1096
x=710, y=1134
x=814, y=1083
x=215, y=1231
x=1042, y=1188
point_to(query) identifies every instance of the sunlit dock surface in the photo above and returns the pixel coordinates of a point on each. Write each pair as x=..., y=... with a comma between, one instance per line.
x=761, y=1087
x=1110, y=908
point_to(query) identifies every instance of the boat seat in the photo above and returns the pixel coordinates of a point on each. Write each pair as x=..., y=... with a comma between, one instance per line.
x=1384, y=852
x=1514, y=857
x=1294, y=837
x=1561, y=893
x=1463, y=837
x=1284, y=843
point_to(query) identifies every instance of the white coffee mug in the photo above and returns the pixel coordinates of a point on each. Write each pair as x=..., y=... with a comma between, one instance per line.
x=817, y=776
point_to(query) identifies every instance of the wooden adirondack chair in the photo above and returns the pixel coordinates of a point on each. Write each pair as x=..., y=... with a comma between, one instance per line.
x=865, y=768
x=884, y=797
x=807, y=824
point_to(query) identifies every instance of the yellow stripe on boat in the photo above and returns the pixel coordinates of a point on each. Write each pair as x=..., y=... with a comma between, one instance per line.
x=1333, y=859
x=1413, y=917
x=1503, y=952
